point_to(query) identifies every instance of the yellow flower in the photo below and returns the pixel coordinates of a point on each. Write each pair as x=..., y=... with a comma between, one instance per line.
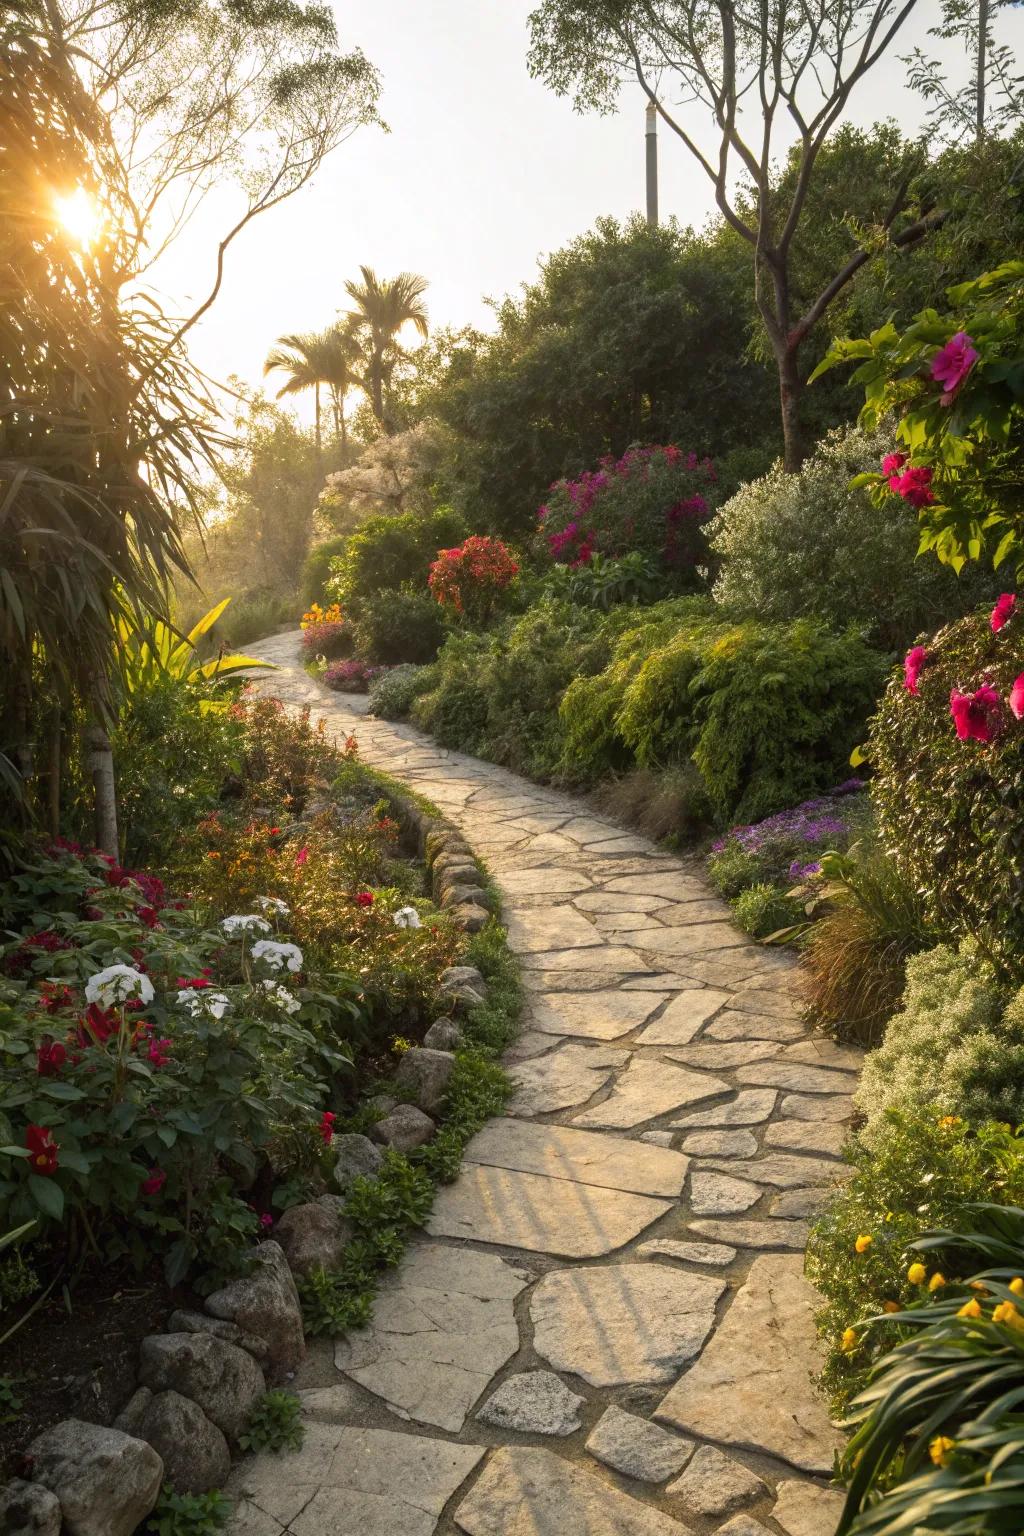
x=980, y=1287
x=891, y=1306
x=939, y=1450
x=948, y=1121
x=1017, y=1286
x=863, y=1242
x=970, y=1308
x=916, y=1274
x=848, y=1343
x=1006, y=1312
x=936, y=1282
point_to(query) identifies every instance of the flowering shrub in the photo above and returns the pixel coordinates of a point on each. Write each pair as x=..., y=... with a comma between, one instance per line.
x=953, y=381
x=947, y=747
x=654, y=500
x=468, y=580
x=315, y=616
x=134, y=1095
x=786, y=848
x=350, y=676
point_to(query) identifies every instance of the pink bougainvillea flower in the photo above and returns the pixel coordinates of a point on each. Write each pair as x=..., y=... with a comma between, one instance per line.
x=952, y=363
x=42, y=1149
x=975, y=715
x=154, y=1183
x=327, y=1120
x=364, y=899
x=1002, y=613
x=912, y=664
x=266, y=1221
x=914, y=485
x=1016, y=699
x=159, y=1052
x=891, y=466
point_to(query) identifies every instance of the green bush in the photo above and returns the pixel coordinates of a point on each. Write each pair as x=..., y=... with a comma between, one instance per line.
x=317, y=566
x=809, y=546
x=396, y=626
x=392, y=694
x=768, y=713
x=188, y=1514
x=762, y=910
x=957, y=1043
x=387, y=554
x=275, y=1424
x=919, y=1172
x=951, y=812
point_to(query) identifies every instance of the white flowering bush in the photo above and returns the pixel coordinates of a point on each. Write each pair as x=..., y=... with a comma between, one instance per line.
x=245, y=923
x=956, y=1045
x=117, y=985
x=278, y=956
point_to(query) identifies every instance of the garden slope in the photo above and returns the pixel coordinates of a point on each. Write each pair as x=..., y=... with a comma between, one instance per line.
x=633, y=1227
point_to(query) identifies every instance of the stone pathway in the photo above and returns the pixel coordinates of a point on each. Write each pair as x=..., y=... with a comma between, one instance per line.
x=605, y=1330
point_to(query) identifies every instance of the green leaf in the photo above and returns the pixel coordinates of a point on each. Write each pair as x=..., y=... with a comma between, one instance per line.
x=47, y=1195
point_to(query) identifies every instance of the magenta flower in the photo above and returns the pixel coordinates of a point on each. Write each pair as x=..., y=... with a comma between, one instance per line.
x=914, y=485
x=891, y=466
x=952, y=364
x=154, y=1183
x=1002, y=613
x=912, y=664
x=975, y=715
x=1016, y=699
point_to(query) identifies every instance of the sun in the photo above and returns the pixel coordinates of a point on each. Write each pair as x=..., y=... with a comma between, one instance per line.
x=80, y=214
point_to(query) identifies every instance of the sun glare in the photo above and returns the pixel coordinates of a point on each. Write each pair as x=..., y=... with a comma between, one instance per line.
x=80, y=215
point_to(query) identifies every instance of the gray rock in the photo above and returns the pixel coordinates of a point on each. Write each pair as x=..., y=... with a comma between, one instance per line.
x=443, y=1035
x=464, y=984
x=405, y=1128
x=637, y=1448
x=194, y=1451
x=806, y=1509
x=720, y=1144
x=690, y=1253
x=266, y=1302
x=715, y=1484
x=713, y=1194
x=424, y=1073
x=456, y=895
x=106, y=1482
x=800, y=1203
x=527, y=1491
x=743, y=1525
x=469, y=917
x=355, y=1157
x=453, y=859
x=313, y=1235
x=534, y=1403
x=28, y=1509
x=198, y=1322
x=224, y=1380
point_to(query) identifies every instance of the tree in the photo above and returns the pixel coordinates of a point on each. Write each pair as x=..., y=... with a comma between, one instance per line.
x=314, y=358
x=799, y=64
x=992, y=101
x=383, y=307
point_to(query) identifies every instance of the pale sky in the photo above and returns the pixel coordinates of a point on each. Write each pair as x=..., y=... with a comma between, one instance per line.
x=484, y=171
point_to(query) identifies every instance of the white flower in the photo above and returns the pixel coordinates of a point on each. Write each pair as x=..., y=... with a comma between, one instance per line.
x=273, y=904
x=250, y=923
x=407, y=917
x=200, y=1000
x=280, y=957
x=117, y=984
x=280, y=995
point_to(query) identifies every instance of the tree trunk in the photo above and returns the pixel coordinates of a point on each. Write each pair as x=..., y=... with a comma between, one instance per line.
x=100, y=764
x=316, y=398
x=53, y=784
x=377, y=392
x=982, y=60
x=791, y=390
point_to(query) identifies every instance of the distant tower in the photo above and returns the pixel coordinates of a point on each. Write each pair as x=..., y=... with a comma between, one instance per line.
x=652, y=164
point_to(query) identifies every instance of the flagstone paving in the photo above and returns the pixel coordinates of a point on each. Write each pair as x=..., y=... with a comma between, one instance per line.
x=605, y=1330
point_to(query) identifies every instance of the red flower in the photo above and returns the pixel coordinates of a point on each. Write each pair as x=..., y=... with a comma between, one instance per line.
x=154, y=1183
x=54, y=995
x=195, y=983
x=975, y=715
x=50, y=1057
x=892, y=464
x=365, y=899
x=159, y=1052
x=912, y=664
x=98, y=1026
x=266, y=1221
x=1002, y=613
x=327, y=1127
x=915, y=486
x=1016, y=699
x=148, y=915
x=301, y=857
x=42, y=1149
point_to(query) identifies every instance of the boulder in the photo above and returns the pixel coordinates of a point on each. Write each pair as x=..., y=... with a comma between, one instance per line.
x=313, y=1235
x=194, y=1451
x=470, y=919
x=106, y=1482
x=455, y=895
x=198, y=1322
x=355, y=1157
x=28, y=1509
x=266, y=1302
x=443, y=1035
x=404, y=1129
x=464, y=984
x=224, y=1380
x=425, y=1073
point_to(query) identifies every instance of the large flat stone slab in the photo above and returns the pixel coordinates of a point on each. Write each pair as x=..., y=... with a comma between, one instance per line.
x=683, y=1017
x=805, y=1509
x=712, y=1057
x=637, y=1448
x=586, y=1157
x=754, y=1233
x=783, y=1171
x=665, y=883
x=753, y=1385
x=618, y=901
x=563, y=1078
x=442, y=1327
x=749, y=1107
x=351, y=1482
x=821, y=1136
x=698, y=939
x=541, y=1215
x=648, y=1089
x=797, y=1076
x=527, y=1492
x=549, y=928
x=621, y=1324
x=542, y=882
x=733, y=1025
x=836, y=1107
x=599, y=957
x=602, y=1015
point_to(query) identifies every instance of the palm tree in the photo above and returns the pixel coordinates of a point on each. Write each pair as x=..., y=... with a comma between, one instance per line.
x=382, y=307
x=312, y=359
